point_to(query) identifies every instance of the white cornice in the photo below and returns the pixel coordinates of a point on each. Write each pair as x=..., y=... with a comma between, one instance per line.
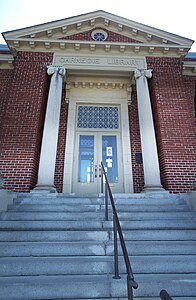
x=6, y=61
x=189, y=68
x=148, y=49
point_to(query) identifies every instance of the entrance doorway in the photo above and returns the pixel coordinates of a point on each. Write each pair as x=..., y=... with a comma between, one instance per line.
x=95, y=114
x=90, y=149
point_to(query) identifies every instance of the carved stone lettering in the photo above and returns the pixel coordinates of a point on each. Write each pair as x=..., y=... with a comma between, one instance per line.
x=122, y=62
x=79, y=60
x=99, y=62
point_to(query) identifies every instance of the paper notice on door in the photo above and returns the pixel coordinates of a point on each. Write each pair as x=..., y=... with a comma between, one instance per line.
x=108, y=151
x=109, y=162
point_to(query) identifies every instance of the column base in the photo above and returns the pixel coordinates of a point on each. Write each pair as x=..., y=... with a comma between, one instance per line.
x=191, y=199
x=154, y=189
x=44, y=189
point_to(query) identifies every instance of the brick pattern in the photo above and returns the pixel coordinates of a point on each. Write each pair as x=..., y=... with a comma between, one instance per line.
x=172, y=96
x=23, y=123
x=112, y=37
x=5, y=81
x=58, y=180
x=138, y=173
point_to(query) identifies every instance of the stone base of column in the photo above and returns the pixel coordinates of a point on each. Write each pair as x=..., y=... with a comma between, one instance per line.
x=153, y=189
x=44, y=189
x=191, y=199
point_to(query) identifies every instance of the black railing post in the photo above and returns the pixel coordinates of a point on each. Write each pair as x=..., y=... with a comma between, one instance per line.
x=117, y=230
x=129, y=289
x=106, y=202
x=116, y=270
x=164, y=295
x=101, y=180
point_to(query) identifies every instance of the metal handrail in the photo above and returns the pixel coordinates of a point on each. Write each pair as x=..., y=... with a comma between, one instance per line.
x=164, y=295
x=131, y=283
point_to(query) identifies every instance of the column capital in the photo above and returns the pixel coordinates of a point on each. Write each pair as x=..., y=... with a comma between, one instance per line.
x=58, y=70
x=144, y=73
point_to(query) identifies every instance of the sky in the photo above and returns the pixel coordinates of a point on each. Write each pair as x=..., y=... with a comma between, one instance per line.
x=174, y=16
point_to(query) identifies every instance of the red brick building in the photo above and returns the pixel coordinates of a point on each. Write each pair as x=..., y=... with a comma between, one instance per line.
x=92, y=88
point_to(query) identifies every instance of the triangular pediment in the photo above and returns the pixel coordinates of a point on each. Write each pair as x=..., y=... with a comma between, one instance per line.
x=76, y=32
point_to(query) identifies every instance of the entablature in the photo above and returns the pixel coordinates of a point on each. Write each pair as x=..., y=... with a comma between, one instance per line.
x=6, y=61
x=71, y=46
x=189, y=68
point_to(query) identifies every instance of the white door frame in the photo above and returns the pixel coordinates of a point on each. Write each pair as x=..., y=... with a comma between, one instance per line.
x=77, y=97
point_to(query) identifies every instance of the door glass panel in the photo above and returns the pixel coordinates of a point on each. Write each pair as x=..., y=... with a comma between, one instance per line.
x=109, y=157
x=86, y=159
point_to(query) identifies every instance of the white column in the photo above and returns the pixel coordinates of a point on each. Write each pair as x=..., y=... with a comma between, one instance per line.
x=50, y=134
x=148, y=142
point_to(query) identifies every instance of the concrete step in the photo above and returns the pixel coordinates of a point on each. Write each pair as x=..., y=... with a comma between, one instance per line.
x=57, y=216
x=87, y=248
x=150, y=201
x=97, y=207
x=97, y=225
x=72, y=265
x=154, y=224
x=150, y=207
x=54, y=207
x=160, y=235
x=51, y=225
x=53, y=235
x=58, y=200
x=20, y=249
x=156, y=248
x=178, y=285
x=131, y=235
x=96, y=287
x=136, y=200
x=48, y=216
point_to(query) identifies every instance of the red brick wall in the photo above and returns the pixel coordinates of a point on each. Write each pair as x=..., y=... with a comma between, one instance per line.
x=172, y=96
x=138, y=173
x=5, y=81
x=112, y=37
x=23, y=123
x=58, y=179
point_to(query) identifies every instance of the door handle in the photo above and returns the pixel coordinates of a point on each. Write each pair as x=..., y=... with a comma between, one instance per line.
x=95, y=171
x=100, y=171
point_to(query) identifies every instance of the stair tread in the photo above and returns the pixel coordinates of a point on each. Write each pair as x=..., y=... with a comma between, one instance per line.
x=85, y=278
x=87, y=248
x=70, y=216
x=94, y=286
x=75, y=235
x=97, y=224
x=95, y=265
x=96, y=207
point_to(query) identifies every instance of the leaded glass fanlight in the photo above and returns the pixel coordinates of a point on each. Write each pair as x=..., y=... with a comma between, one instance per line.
x=98, y=117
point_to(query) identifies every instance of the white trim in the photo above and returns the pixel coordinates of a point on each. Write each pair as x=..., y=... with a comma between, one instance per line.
x=77, y=98
x=97, y=30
